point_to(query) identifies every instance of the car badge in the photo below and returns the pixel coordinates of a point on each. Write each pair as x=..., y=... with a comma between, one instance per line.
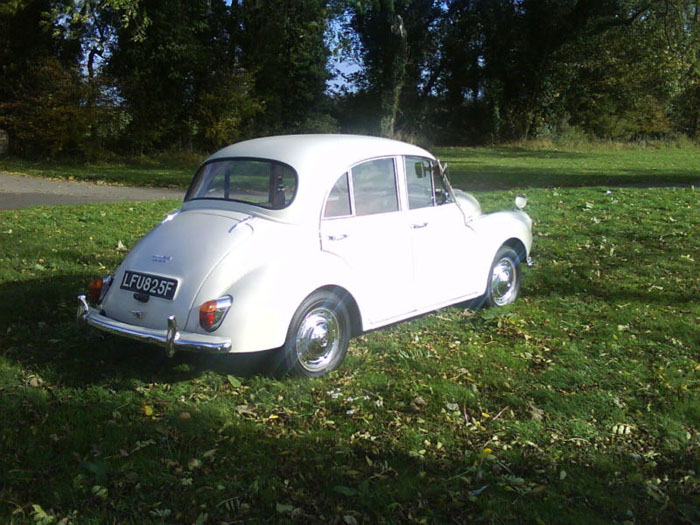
x=161, y=258
x=137, y=313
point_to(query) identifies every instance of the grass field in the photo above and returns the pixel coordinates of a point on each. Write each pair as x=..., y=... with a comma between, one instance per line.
x=578, y=404
x=477, y=169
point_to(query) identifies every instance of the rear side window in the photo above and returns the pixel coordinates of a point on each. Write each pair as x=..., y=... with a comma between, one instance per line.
x=367, y=189
x=338, y=203
x=374, y=187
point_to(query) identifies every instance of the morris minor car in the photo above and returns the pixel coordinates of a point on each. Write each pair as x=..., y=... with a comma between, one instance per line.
x=301, y=242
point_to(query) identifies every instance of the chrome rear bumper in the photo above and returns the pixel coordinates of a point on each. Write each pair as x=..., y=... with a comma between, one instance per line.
x=171, y=338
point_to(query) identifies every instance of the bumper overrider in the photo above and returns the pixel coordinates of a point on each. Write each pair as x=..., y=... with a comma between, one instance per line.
x=171, y=338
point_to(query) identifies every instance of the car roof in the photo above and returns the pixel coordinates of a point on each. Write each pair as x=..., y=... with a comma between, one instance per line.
x=319, y=159
x=305, y=151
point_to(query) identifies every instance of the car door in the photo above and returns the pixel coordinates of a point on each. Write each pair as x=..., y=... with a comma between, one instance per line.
x=442, y=246
x=363, y=225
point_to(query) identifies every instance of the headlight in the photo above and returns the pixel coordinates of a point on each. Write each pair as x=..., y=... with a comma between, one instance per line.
x=520, y=201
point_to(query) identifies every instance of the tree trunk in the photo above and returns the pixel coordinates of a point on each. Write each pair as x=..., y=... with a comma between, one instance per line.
x=394, y=76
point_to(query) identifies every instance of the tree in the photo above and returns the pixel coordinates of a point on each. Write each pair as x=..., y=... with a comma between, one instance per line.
x=180, y=76
x=40, y=87
x=625, y=77
x=502, y=59
x=283, y=46
x=396, y=43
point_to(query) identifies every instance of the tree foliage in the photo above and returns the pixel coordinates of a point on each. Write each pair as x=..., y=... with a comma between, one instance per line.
x=90, y=77
x=283, y=46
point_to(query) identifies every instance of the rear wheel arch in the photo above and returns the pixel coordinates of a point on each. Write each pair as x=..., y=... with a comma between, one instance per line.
x=350, y=304
x=319, y=333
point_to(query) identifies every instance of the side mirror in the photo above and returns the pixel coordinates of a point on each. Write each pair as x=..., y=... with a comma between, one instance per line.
x=441, y=197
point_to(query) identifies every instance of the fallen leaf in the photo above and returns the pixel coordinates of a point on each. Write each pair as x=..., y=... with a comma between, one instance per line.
x=418, y=403
x=345, y=491
x=476, y=492
x=539, y=489
x=536, y=414
x=282, y=508
x=622, y=429
x=248, y=409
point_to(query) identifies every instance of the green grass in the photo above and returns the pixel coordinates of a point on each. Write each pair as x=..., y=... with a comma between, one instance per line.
x=578, y=404
x=164, y=170
x=536, y=165
x=478, y=169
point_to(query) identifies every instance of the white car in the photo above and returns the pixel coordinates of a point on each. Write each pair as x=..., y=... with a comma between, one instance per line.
x=301, y=242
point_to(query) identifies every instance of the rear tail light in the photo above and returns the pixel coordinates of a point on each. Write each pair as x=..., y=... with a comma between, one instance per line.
x=98, y=288
x=212, y=313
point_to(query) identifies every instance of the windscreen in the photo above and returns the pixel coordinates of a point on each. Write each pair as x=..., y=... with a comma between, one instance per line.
x=264, y=183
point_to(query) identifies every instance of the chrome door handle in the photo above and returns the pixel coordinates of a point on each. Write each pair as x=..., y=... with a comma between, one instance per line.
x=338, y=237
x=419, y=226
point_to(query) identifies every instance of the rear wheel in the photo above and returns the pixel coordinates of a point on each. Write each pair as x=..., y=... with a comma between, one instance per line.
x=504, y=278
x=318, y=336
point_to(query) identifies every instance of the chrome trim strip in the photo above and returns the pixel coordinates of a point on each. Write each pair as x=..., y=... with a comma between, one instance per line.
x=172, y=339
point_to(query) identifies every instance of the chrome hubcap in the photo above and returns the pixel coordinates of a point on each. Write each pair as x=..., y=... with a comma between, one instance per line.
x=503, y=282
x=317, y=339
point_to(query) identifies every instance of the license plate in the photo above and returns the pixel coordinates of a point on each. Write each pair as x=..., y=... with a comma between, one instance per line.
x=154, y=285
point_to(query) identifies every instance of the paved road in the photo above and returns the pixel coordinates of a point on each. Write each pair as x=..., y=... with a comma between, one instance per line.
x=18, y=191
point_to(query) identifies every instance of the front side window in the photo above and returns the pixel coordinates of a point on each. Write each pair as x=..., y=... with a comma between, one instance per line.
x=419, y=181
x=263, y=183
x=442, y=191
x=426, y=185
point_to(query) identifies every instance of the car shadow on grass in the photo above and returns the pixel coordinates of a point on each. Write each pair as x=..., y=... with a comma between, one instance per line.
x=39, y=328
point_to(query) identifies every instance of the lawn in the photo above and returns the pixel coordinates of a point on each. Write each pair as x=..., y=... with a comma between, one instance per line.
x=544, y=165
x=578, y=404
x=477, y=169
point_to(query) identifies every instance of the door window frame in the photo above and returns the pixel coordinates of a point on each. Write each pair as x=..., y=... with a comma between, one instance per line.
x=399, y=185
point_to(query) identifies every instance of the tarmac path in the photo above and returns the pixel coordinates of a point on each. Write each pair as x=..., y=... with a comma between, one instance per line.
x=20, y=191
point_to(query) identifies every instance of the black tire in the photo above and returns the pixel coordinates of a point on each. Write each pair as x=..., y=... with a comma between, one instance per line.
x=504, y=278
x=318, y=336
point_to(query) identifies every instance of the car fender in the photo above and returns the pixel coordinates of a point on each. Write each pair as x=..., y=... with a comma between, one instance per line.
x=497, y=229
x=266, y=296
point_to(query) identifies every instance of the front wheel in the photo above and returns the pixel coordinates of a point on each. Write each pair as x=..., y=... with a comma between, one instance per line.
x=318, y=336
x=504, y=278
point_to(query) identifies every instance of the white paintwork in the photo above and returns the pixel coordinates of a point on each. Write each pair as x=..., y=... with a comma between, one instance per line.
x=393, y=265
